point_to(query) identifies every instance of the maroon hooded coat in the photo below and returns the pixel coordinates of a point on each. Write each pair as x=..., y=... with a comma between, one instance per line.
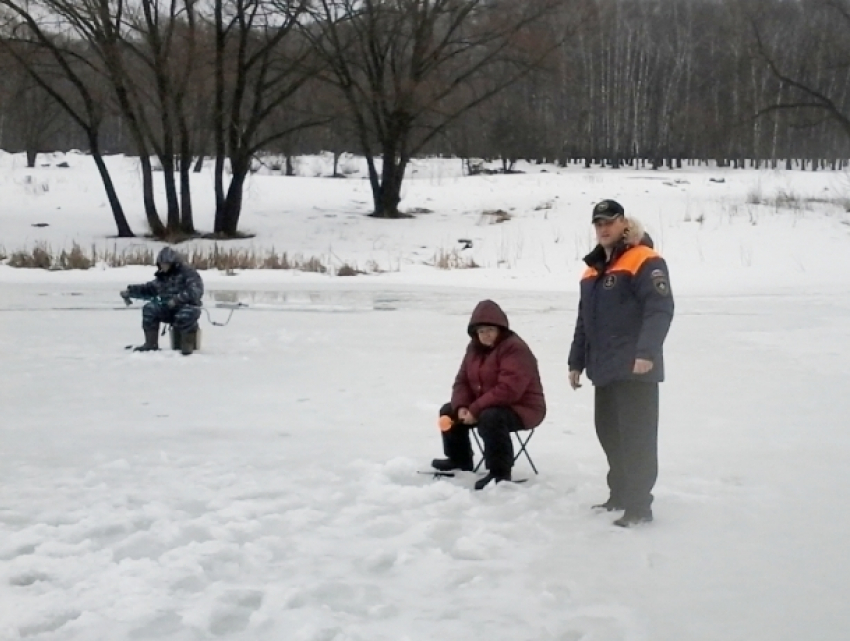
x=505, y=375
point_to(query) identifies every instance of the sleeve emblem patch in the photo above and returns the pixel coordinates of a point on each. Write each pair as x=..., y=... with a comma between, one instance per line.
x=659, y=282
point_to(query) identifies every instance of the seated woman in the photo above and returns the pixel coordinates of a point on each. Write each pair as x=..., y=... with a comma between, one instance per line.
x=497, y=390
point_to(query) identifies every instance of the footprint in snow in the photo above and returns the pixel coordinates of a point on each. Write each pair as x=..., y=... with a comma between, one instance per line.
x=49, y=624
x=234, y=610
x=28, y=578
x=22, y=550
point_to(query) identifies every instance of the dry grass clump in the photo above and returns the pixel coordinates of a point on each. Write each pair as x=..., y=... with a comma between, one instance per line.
x=74, y=259
x=206, y=257
x=135, y=255
x=348, y=270
x=38, y=257
x=495, y=216
x=453, y=260
x=41, y=256
x=784, y=199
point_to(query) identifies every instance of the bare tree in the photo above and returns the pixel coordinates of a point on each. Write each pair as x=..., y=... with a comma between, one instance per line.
x=33, y=117
x=157, y=66
x=94, y=38
x=266, y=68
x=261, y=62
x=813, y=77
x=409, y=68
x=634, y=82
x=67, y=72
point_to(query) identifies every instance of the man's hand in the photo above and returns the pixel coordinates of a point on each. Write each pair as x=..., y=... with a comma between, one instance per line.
x=466, y=417
x=171, y=303
x=642, y=366
x=575, y=379
x=126, y=296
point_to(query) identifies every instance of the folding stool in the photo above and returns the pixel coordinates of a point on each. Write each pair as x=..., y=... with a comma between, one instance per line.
x=522, y=443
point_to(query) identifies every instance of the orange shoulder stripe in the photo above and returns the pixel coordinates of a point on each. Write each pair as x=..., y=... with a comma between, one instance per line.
x=632, y=260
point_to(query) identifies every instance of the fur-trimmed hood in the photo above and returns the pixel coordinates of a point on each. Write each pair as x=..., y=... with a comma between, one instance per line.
x=636, y=234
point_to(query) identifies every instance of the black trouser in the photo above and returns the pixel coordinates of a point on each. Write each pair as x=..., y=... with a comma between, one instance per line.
x=495, y=425
x=627, y=427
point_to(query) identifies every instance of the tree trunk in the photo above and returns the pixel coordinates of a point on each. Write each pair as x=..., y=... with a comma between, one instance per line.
x=155, y=224
x=374, y=179
x=121, y=223
x=388, y=194
x=218, y=118
x=31, y=156
x=218, y=226
x=187, y=221
x=125, y=105
x=232, y=207
x=204, y=136
x=172, y=202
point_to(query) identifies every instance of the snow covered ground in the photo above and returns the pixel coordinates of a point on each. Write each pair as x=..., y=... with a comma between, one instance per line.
x=266, y=487
x=721, y=229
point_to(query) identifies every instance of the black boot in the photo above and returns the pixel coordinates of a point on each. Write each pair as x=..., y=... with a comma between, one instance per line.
x=187, y=343
x=151, y=340
x=634, y=517
x=447, y=465
x=480, y=484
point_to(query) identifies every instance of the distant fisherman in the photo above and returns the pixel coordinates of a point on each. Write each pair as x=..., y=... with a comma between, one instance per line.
x=174, y=296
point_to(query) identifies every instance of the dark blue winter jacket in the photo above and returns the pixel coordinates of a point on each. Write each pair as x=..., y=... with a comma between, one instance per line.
x=180, y=285
x=624, y=313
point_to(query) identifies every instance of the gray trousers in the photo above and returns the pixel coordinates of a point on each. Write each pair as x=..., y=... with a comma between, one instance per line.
x=627, y=428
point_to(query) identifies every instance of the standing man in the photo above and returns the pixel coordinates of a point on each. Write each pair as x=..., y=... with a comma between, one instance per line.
x=624, y=314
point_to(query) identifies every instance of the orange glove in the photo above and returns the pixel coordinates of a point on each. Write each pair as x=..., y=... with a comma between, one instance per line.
x=445, y=423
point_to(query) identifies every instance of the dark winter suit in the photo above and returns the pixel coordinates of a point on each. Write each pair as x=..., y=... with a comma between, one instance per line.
x=624, y=314
x=500, y=386
x=175, y=297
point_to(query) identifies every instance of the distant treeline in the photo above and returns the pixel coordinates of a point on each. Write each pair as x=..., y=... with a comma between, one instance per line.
x=611, y=82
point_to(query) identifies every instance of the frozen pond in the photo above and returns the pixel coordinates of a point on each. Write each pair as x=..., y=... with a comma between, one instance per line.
x=266, y=487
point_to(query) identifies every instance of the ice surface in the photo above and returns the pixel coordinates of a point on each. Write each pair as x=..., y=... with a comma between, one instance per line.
x=266, y=487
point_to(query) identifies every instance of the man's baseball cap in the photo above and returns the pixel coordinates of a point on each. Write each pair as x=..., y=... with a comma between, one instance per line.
x=607, y=210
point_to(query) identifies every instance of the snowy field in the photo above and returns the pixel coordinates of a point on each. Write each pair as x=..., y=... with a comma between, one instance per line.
x=266, y=489
x=720, y=229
